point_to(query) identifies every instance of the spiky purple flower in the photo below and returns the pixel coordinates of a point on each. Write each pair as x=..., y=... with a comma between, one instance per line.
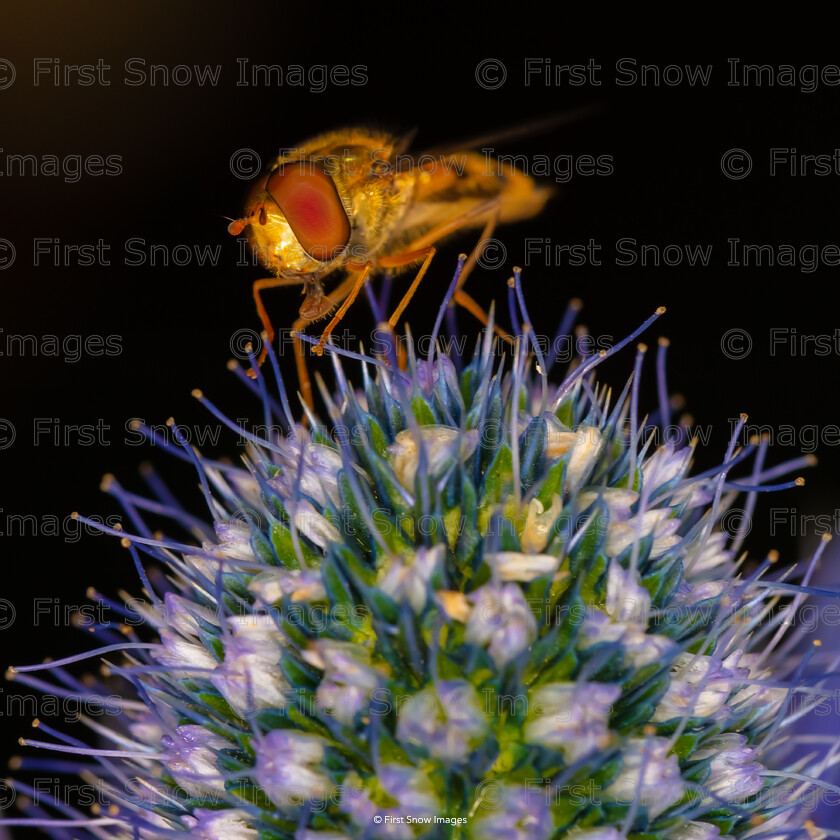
x=468, y=605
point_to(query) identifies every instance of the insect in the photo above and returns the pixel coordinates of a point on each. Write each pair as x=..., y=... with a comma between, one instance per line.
x=354, y=202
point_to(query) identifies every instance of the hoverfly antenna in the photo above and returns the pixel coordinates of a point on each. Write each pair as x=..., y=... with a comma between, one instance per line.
x=238, y=225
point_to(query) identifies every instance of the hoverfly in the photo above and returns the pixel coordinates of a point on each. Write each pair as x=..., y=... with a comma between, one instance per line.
x=353, y=201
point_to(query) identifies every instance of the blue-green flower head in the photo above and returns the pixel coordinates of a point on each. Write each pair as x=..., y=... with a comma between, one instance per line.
x=475, y=599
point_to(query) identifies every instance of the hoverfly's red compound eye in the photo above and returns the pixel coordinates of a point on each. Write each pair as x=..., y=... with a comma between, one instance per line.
x=311, y=204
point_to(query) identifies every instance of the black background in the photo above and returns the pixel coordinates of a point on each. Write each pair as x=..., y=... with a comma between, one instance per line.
x=174, y=325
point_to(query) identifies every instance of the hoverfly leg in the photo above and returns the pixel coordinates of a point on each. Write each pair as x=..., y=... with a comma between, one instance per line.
x=300, y=364
x=340, y=294
x=259, y=287
x=464, y=300
x=357, y=283
x=491, y=205
x=425, y=254
x=461, y=297
x=478, y=248
x=490, y=208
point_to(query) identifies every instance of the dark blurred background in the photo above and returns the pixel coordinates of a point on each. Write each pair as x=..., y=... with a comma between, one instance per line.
x=94, y=345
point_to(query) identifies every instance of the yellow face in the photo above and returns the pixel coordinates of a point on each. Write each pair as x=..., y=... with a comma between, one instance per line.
x=277, y=248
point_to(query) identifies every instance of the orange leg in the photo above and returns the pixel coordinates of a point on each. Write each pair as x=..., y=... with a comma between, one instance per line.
x=492, y=205
x=300, y=363
x=341, y=292
x=418, y=250
x=259, y=287
x=356, y=287
x=463, y=299
x=478, y=248
x=405, y=258
x=348, y=290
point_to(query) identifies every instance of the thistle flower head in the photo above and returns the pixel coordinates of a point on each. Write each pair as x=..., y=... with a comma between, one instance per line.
x=468, y=604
